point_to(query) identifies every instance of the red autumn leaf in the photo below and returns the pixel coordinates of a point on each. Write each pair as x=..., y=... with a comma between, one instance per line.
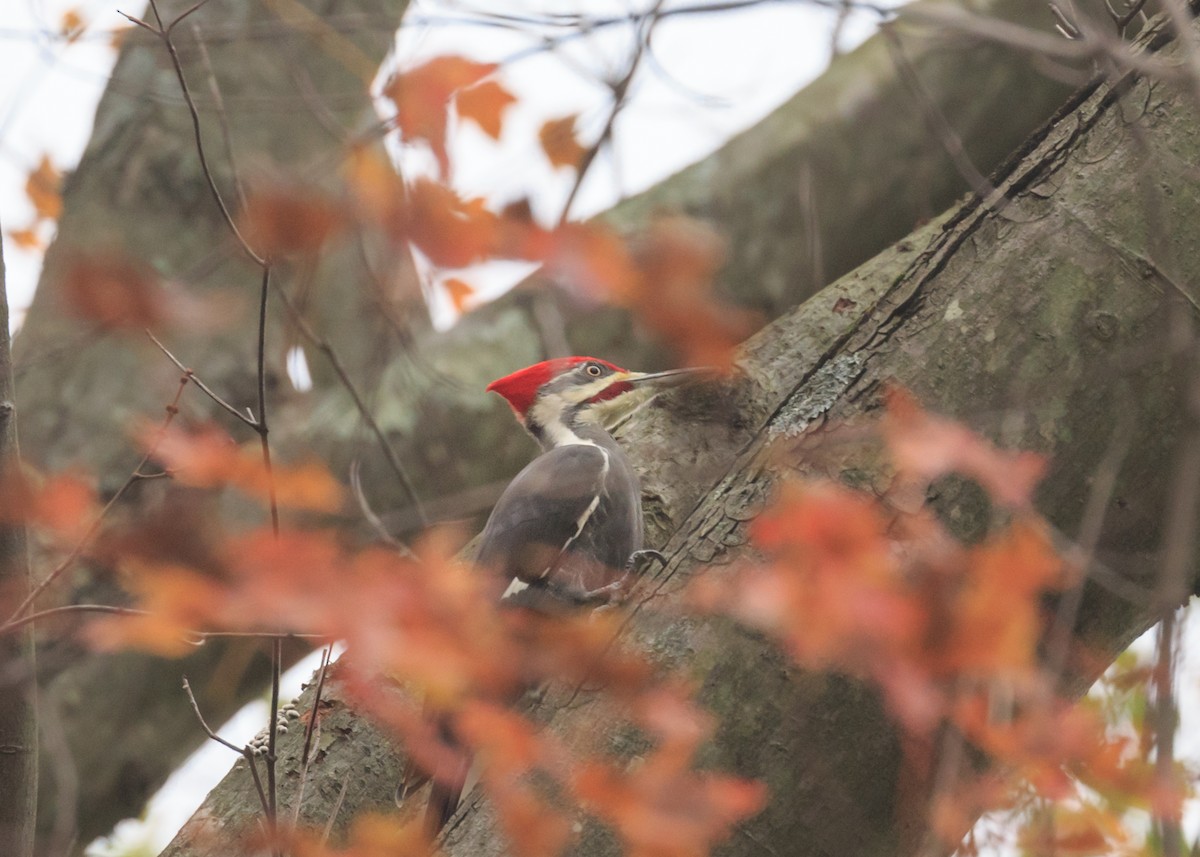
x=926, y=447
x=678, y=258
x=485, y=105
x=176, y=602
x=209, y=458
x=371, y=835
x=451, y=231
x=422, y=98
x=115, y=293
x=588, y=257
x=63, y=504
x=559, y=142
x=460, y=293
x=997, y=620
x=44, y=189
x=662, y=808
x=281, y=221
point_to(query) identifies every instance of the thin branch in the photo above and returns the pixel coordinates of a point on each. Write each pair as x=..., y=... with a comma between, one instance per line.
x=620, y=91
x=936, y=120
x=333, y=814
x=261, y=422
x=204, y=388
x=137, y=475
x=16, y=624
x=389, y=452
x=244, y=752
x=164, y=33
x=369, y=515
x=222, y=119
x=273, y=736
x=326, y=655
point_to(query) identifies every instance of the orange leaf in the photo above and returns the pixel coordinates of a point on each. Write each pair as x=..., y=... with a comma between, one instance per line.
x=460, y=293
x=485, y=105
x=115, y=293
x=210, y=459
x=559, y=142
x=281, y=221
x=678, y=259
x=451, y=231
x=71, y=25
x=26, y=239
x=926, y=447
x=64, y=504
x=43, y=187
x=422, y=98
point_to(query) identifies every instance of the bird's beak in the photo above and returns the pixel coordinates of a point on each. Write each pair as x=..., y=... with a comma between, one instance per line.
x=670, y=376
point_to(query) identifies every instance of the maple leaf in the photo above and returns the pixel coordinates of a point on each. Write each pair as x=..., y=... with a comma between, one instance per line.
x=677, y=259
x=43, y=187
x=485, y=104
x=997, y=621
x=661, y=808
x=560, y=143
x=71, y=25
x=422, y=98
x=63, y=504
x=372, y=834
x=26, y=239
x=209, y=458
x=282, y=220
x=114, y=292
x=589, y=258
x=460, y=293
x=926, y=447
x=451, y=231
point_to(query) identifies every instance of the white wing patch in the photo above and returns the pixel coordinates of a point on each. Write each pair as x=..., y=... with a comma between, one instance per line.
x=515, y=587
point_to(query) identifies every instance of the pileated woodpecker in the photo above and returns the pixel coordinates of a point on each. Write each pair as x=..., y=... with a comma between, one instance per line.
x=568, y=529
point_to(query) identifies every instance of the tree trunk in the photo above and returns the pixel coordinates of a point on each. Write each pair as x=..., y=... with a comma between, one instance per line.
x=18, y=709
x=1035, y=323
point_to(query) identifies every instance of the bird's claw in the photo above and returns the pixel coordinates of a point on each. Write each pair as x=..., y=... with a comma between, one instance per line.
x=639, y=560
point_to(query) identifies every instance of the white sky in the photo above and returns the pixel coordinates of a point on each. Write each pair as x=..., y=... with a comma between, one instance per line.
x=712, y=76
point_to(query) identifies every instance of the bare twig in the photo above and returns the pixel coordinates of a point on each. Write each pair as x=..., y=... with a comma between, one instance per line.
x=66, y=775
x=389, y=452
x=135, y=476
x=369, y=514
x=1165, y=717
x=1091, y=527
x=244, y=752
x=164, y=33
x=190, y=375
x=326, y=655
x=333, y=814
x=620, y=91
x=936, y=121
x=222, y=121
x=16, y=624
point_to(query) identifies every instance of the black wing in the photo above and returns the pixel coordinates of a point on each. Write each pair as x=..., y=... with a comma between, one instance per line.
x=568, y=521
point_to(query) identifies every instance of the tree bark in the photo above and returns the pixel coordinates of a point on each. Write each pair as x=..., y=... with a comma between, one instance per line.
x=18, y=708
x=1035, y=322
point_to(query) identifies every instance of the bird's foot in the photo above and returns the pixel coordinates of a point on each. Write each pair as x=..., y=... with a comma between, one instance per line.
x=639, y=561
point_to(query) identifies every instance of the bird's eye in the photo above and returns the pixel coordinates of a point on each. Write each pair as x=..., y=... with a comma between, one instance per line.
x=593, y=370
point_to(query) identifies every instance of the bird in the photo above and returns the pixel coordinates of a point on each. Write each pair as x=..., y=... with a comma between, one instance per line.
x=567, y=532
